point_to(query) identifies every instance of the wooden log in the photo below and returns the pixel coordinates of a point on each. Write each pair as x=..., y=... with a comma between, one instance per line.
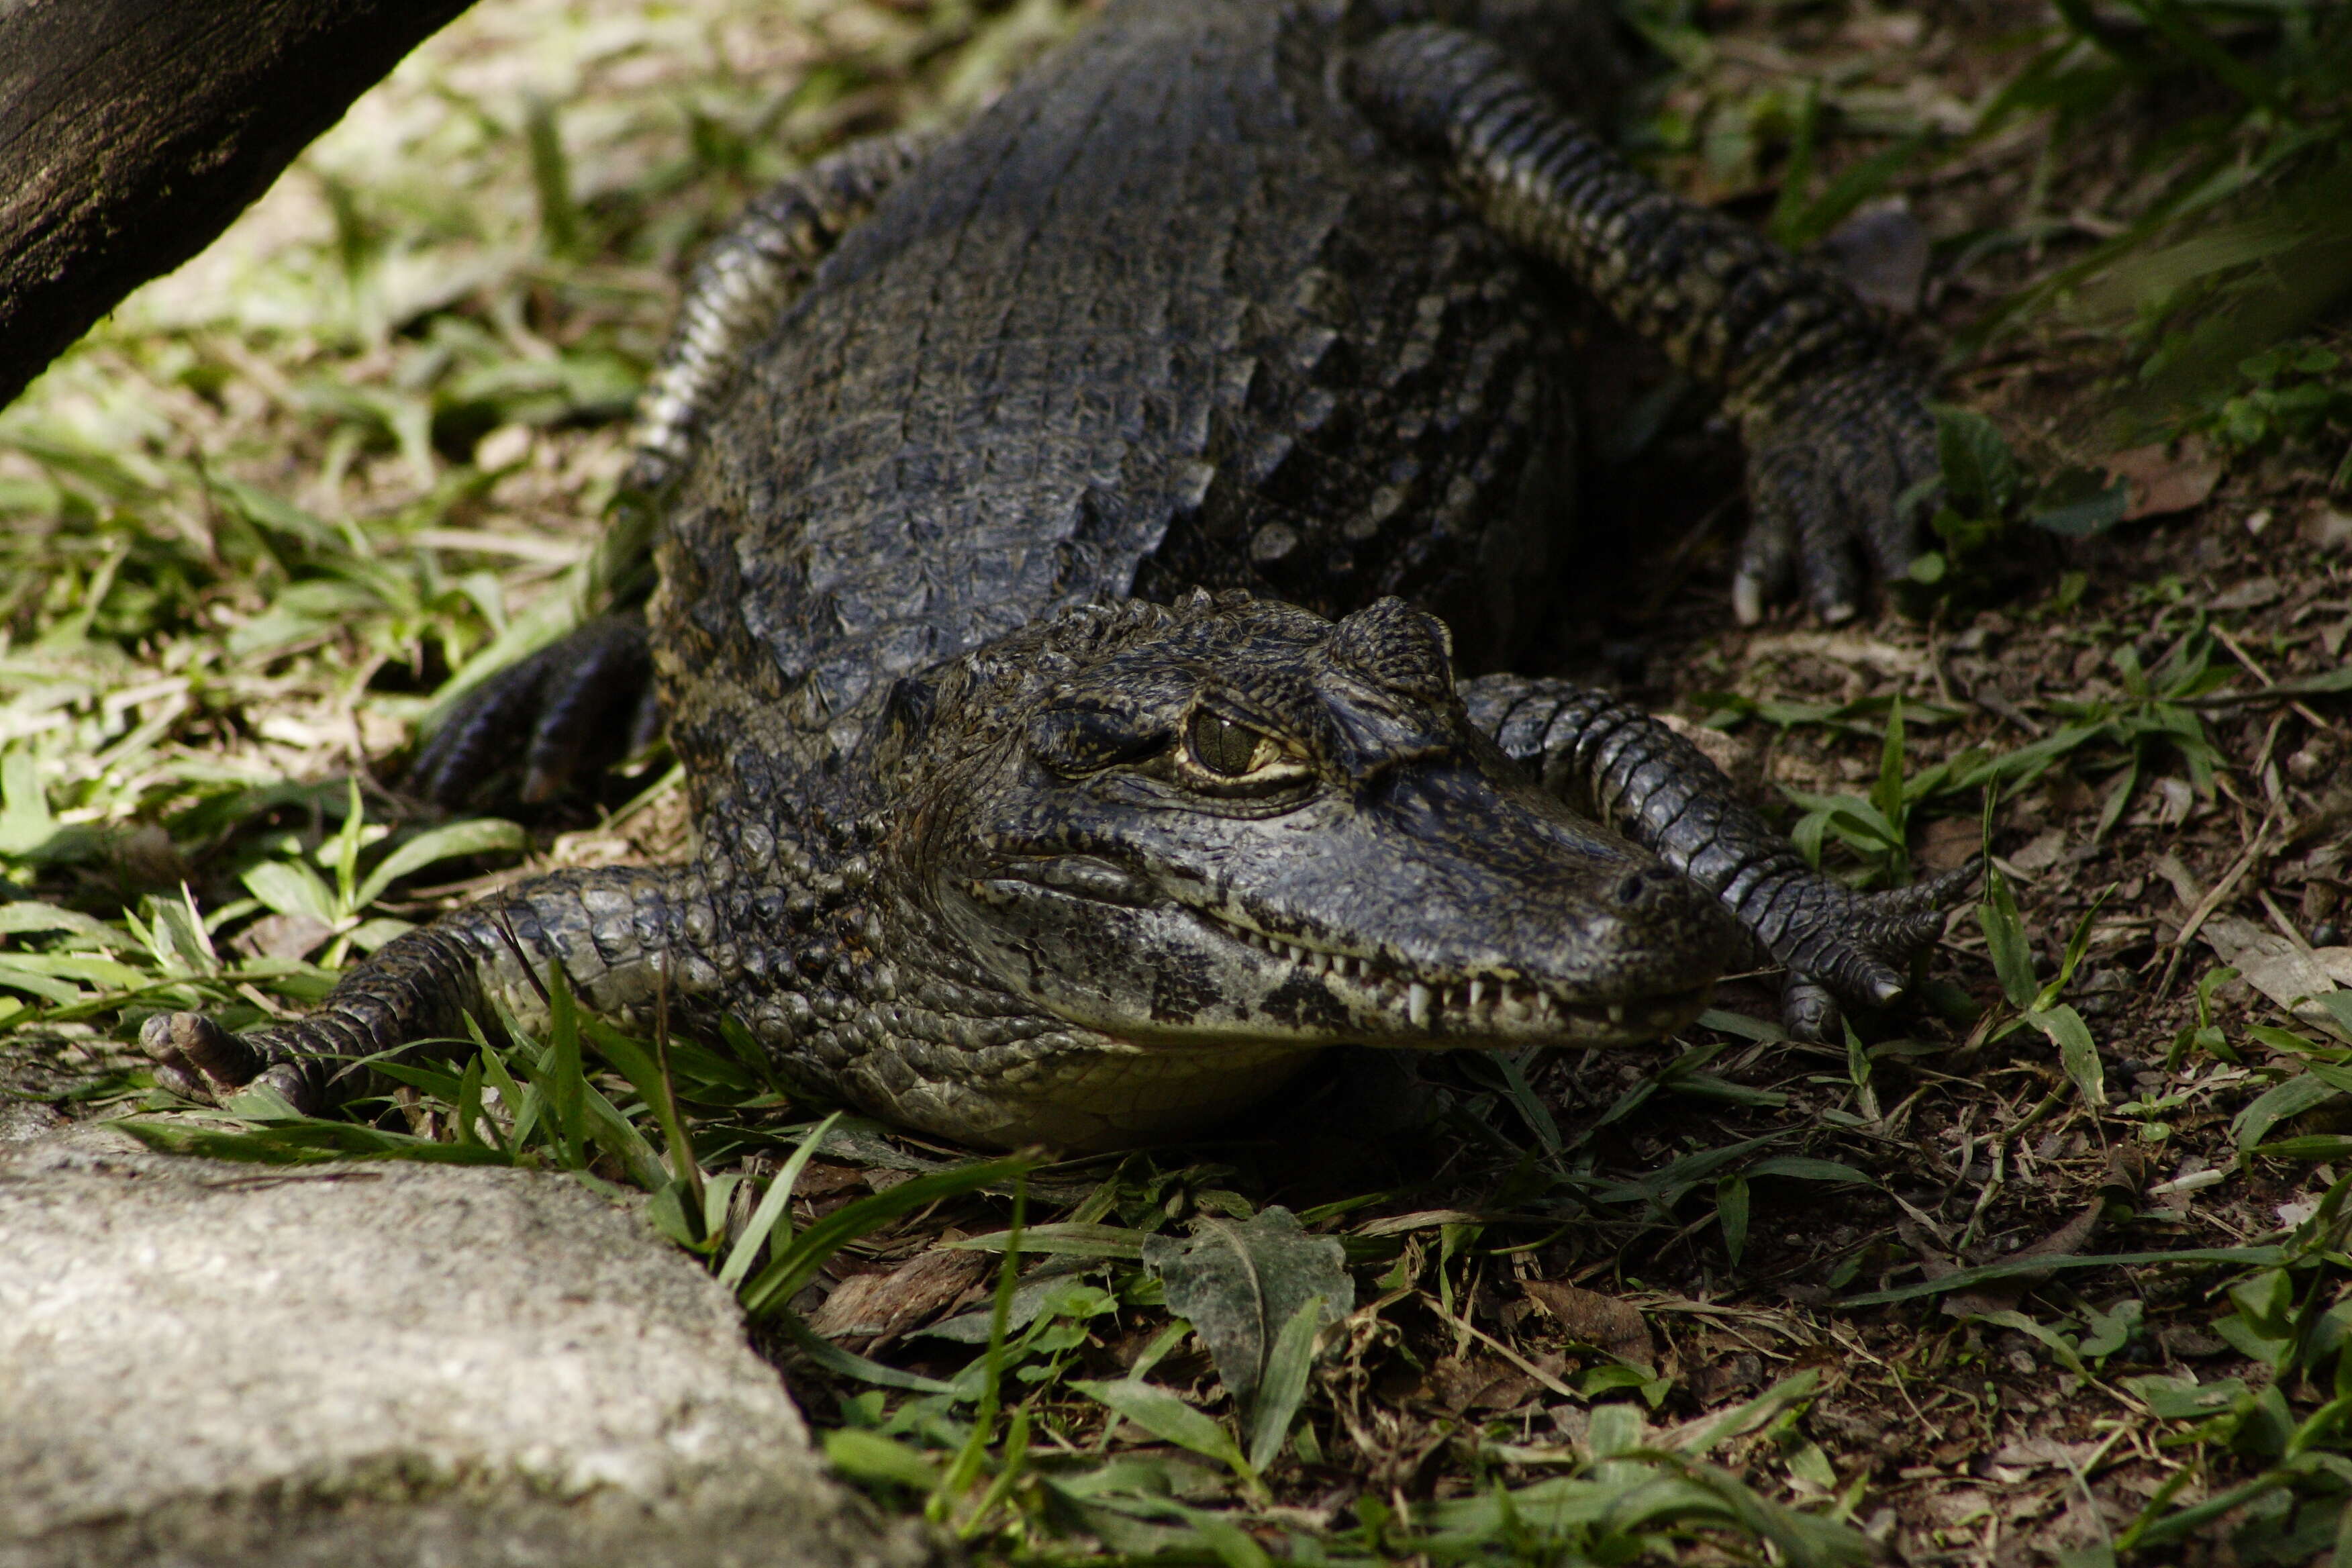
x=131, y=131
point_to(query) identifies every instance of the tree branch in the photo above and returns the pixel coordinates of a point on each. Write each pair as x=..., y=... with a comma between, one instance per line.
x=131, y=131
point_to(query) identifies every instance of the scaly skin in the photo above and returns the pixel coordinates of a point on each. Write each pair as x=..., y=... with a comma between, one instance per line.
x=1238, y=296
x=1836, y=427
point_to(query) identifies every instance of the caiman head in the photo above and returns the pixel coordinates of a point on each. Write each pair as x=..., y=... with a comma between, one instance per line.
x=1227, y=835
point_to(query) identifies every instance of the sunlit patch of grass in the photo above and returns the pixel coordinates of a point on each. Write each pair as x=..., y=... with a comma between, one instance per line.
x=252, y=527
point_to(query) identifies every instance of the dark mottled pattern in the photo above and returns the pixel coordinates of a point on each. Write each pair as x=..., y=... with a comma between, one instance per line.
x=1626, y=769
x=1011, y=828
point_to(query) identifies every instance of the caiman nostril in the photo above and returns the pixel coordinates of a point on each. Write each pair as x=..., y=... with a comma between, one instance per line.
x=1635, y=886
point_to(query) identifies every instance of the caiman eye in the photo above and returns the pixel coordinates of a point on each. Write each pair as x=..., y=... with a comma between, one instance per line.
x=1229, y=749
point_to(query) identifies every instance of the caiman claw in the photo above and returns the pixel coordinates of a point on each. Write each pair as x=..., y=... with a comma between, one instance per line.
x=1833, y=467
x=1862, y=952
x=197, y=1059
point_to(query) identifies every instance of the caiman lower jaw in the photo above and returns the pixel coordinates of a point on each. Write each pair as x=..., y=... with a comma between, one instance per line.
x=1489, y=1009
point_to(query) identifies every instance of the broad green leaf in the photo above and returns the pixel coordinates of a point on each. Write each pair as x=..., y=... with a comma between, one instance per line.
x=48, y=987
x=1615, y=1429
x=2078, y=502
x=28, y=916
x=369, y=935
x=484, y=837
x=2110, y=1332
x=1240, y=1281
x=1170, y=1419
x=1731, y=1214
x=2012, y=955
x=718, y=1198
x=2076, y=1053
x=1234, y=1547
x=26, y=825
x=92, y=967
x=2184, y=1398
x=2056, y=1343
x=865, y=1456
x=1979, y=474
x=2266, y=1299
x=1742, y=1024
x=2280, y=1102
x=291, y=888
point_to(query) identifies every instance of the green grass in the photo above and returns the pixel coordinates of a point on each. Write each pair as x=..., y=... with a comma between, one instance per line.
x=1013, y=1448
x=259, y=523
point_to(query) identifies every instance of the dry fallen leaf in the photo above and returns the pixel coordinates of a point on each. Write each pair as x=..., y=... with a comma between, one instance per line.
x=2123, y=1178
x=2251, y=594
x=2039, y=1451
x=2280, y=970
x=282, y=936
x=1478, y=1383
x=2162, y=482
x=885, y=1305
x=1598, y=1320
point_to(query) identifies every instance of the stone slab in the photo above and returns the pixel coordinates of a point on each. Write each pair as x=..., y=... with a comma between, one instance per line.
x=366, y=1363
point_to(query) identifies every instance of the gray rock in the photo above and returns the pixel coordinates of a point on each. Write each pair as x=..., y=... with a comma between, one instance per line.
x=381, y=1364
x=22, y=1120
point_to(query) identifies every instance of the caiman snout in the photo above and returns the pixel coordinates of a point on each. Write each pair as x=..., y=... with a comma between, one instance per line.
x=1259, y=829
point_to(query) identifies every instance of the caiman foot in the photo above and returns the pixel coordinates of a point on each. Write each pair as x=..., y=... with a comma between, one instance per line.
x=577, y=706
x=197, y=1059
x=1859, y=949
x=1832, y=466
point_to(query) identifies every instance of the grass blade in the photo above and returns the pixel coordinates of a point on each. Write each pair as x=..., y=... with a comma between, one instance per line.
x=774, y=1208
x=2025, y=1267
x=833, y=1359
x=797, y=1263
x=974, y=1452
x=1284, y=1387
x=866, y=1455
x=1160, y=1413
x=1064, y=1240
x=486, y=835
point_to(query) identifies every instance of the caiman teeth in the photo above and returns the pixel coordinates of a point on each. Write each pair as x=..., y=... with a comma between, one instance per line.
x=1478, y=1002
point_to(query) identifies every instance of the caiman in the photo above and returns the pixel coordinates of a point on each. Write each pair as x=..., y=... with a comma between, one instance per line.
x=1077, y=534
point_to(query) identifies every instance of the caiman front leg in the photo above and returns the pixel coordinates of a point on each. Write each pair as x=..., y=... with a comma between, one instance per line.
x=586, y=701
x=1835, y=422
x=620, y=936
x=1624, y=768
